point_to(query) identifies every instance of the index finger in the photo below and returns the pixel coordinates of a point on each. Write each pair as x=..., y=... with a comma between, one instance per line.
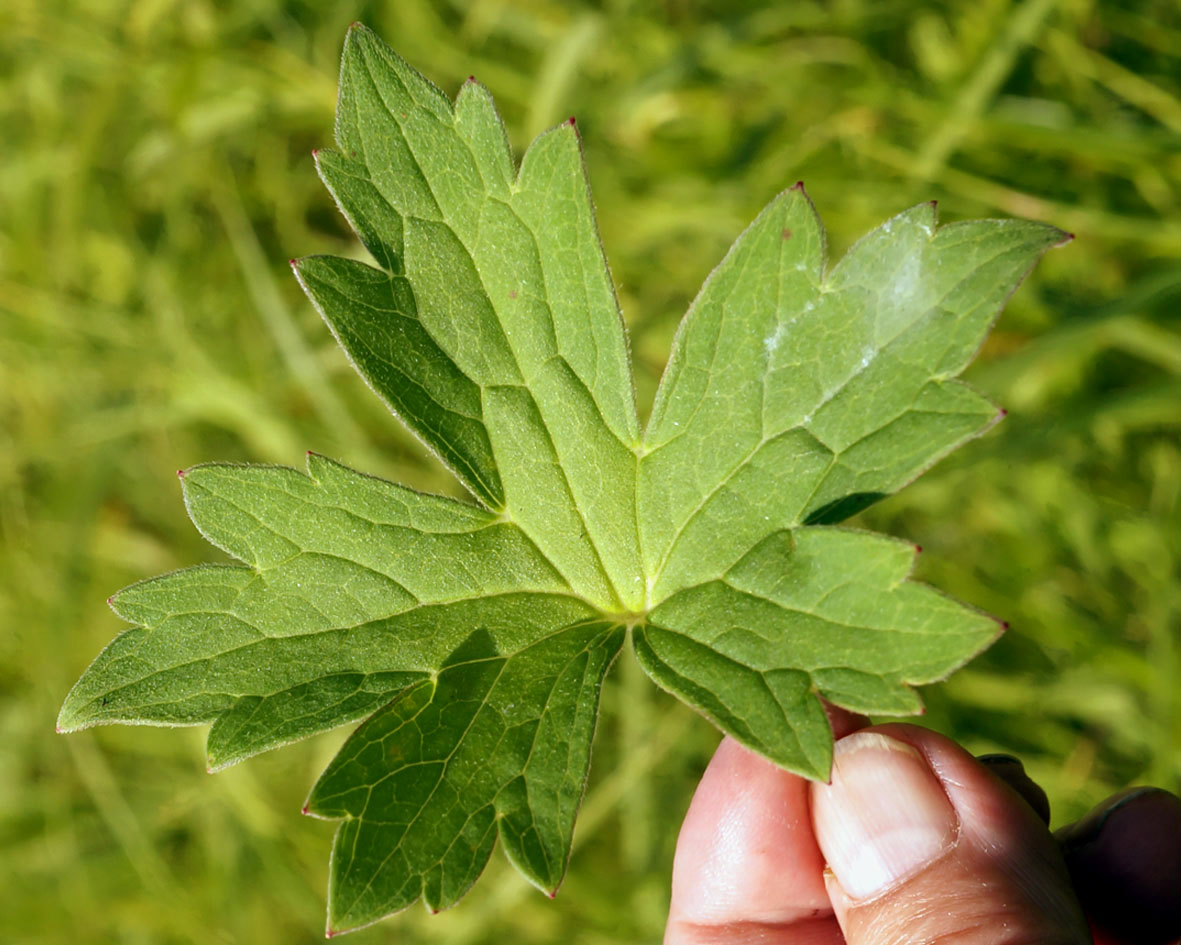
x=747, y=867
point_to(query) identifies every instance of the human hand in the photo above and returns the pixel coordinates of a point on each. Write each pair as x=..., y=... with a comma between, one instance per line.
x=923, y=843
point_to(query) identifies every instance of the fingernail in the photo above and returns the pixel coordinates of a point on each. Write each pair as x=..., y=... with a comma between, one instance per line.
x=1000, y=759
x=1090, y=827
x=1124, y=860
x=883, y=818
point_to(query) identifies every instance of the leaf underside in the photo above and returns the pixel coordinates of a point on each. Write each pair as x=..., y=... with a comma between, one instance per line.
x=474, y=638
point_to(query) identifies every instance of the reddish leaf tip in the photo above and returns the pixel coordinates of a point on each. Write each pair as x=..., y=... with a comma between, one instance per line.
x=918, y=549
x=180, y=474
x=331, y=933
x=293, y=263
x=553, y=894
x=471, y=78
x=798, y=185
x=304, y=810
x=111, y=601
x=934, y=204
x=570, y=121
x=59, y=730
x=1004, y=624
x=1002, y=413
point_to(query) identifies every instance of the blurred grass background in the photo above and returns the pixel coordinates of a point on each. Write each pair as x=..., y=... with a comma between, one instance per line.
x=155, y=178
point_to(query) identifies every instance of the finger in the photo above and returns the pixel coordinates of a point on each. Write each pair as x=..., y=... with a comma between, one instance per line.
x=747, y=867
x=1125, y=861
x=1012, y=772
x=924, y=844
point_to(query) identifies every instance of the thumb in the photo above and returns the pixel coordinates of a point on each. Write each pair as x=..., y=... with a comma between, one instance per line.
x=924, y=844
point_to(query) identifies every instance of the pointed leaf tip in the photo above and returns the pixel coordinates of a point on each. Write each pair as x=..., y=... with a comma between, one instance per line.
x=570, y=121
x=180, y=474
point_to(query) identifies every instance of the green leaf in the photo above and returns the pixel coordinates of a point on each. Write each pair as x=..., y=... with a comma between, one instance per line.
x=492, y=745
x=355, y=589
x=474, y=637
x=493, y=329
x=798, y=396
x=814, y=610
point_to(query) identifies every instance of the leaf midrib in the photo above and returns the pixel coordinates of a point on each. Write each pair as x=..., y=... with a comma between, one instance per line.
x=615, y=606
x=802, y=426
x=459, y=744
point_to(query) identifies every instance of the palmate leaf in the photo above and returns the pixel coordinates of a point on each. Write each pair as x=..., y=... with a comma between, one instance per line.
x=475, y=637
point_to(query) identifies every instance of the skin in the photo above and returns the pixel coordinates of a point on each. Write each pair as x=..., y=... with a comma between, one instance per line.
x=750, y=869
